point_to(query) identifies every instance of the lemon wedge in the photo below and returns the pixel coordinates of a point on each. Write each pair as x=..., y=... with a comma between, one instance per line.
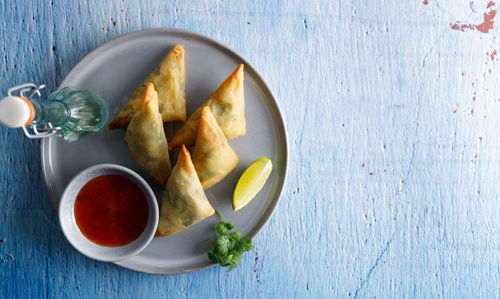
x=250, y=182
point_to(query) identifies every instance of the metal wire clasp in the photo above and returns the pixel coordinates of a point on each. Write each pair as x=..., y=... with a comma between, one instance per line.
x=38, y=130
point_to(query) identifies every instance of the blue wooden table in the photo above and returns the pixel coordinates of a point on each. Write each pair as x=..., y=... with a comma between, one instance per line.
x=393, y=115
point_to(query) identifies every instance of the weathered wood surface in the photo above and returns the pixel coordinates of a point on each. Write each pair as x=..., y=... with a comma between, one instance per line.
x=393, y=119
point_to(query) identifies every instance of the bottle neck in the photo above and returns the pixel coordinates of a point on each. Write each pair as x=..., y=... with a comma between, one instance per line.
x=54, y=112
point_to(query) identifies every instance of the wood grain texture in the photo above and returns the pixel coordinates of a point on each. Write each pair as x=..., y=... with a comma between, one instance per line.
x=393, y=121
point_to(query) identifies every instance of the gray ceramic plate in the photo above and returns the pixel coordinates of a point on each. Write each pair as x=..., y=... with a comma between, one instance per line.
x=113, y=71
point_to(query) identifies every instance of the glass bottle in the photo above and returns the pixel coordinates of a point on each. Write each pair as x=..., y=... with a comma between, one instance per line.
x=69, y=113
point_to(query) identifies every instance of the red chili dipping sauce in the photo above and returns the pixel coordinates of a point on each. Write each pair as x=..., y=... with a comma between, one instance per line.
x=111, y=210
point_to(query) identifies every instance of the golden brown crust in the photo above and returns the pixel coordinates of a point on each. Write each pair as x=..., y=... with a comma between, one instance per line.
x=146, y=139
x=184, y=161
x=169, y=78
x=184, y=202
x=213, y=158
x=228, y=106
x=187, y=133
x=209, y=130
x=124, y=116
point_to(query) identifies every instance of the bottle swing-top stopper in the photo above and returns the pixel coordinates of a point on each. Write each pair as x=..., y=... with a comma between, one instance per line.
x=69, y=113
x=17, y=111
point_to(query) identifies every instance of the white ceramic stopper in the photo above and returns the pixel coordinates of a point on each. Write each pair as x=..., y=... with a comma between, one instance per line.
x=14, y=112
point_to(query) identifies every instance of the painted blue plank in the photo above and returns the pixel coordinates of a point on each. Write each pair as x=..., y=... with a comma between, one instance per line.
x=393, y=117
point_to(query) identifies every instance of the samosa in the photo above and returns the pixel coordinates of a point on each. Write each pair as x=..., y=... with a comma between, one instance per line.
x=228, y=106
x=183, y=203
x=169, y=78
x=213, y=158
x=146, y=137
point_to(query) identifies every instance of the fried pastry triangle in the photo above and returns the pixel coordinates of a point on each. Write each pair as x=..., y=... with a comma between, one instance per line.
x=169, y=78
x=146, y=137
x=183, y=203
x=228, y=106
x=213, y=158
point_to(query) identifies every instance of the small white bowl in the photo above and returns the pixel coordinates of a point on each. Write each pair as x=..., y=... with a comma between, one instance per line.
x=84, y=245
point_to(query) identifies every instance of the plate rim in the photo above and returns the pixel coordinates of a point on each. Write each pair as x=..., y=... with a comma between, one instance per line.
x=45, y=142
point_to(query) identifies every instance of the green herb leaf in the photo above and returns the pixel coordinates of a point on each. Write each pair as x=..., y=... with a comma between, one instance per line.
x=221, y=229
x=245, y=244
x=228, y=247
x=236, y=236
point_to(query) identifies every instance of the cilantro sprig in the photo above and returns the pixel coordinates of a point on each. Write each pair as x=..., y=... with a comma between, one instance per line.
x=229, y=246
